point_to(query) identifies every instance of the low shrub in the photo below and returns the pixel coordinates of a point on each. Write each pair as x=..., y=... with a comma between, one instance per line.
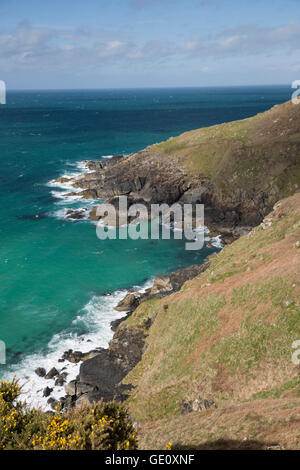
x=104, y=426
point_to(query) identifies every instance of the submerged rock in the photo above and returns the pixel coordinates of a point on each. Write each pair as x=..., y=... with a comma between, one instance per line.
x=76, y=213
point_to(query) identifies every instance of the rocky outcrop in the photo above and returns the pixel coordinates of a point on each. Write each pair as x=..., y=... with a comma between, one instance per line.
x=100, y=376
x=131, y=301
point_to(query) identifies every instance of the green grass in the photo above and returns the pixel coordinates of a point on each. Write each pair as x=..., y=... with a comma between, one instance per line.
x=279, y=391
x=244, y=332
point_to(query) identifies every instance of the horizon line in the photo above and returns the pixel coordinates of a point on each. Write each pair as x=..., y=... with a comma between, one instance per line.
x=148, y=88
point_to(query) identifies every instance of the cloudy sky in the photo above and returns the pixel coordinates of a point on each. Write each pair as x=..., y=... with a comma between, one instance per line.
x=148, y=43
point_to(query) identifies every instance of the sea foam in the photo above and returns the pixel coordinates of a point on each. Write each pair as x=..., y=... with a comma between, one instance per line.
x=95, y=317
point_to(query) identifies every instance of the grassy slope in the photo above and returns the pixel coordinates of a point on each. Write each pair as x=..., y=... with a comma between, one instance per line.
x=258, y=153
x=227, y=335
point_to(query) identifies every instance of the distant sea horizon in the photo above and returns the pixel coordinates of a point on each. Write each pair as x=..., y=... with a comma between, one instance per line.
x=147, y=87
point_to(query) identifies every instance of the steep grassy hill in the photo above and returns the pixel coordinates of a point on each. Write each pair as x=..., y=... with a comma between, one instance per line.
x=227, y=337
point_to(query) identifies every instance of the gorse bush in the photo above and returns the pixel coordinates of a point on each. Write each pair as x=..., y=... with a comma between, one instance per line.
x=105, y=426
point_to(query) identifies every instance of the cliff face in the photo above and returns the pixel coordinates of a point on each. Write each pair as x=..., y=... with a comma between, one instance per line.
x=238, y=169
x=225, y=340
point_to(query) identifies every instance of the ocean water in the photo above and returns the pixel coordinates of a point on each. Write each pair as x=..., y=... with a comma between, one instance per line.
x=58, y=281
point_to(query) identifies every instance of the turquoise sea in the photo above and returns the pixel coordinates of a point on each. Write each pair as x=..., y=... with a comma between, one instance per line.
x=58, y=281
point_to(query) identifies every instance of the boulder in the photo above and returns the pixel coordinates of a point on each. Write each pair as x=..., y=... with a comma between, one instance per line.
x=47, y=391
x=104, y=163
x=40, y=371
x=52, y=373
x=72, y=356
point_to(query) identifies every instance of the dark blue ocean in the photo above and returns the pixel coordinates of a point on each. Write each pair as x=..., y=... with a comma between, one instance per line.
x=58, y=281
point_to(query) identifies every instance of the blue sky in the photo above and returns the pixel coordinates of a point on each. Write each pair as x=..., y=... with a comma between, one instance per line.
x=148, y=43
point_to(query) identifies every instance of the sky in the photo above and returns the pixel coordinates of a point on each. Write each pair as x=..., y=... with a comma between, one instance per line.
x=69, y=44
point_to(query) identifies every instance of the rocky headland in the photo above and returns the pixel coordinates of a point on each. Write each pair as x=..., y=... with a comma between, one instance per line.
x=238, y=170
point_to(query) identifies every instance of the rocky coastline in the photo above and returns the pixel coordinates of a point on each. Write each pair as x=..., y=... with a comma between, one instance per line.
x=231, y=183
x=102, y=370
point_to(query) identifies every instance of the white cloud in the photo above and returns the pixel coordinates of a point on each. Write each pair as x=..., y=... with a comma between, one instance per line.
x=30, y=47
x=248, y=40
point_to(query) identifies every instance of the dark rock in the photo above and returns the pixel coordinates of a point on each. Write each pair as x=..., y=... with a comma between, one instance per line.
x=40, y=371
x=77, y=356
x=47, y=391
x=126, y=347
x=52, y=373
x=76, y=214
x=104, y=372
x=72, y=356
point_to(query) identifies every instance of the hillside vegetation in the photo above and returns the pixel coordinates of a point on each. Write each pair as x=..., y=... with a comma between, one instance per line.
x=227, y=337
x=244, y=153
